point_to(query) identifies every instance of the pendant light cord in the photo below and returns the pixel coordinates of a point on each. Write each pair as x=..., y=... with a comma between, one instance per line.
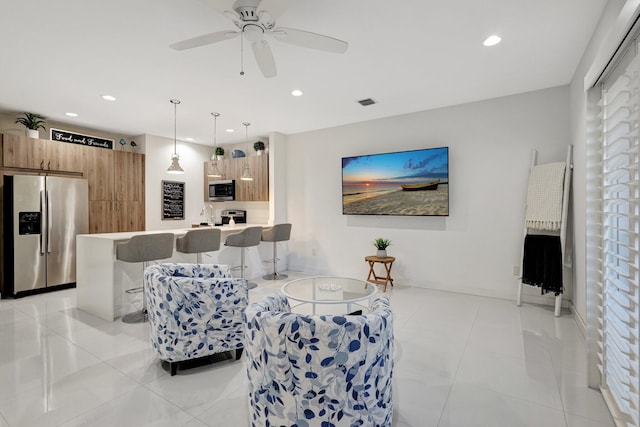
x=175, y=103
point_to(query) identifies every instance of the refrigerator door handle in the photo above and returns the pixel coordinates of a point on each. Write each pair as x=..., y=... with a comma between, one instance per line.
x=43, y=202
x=49, y=222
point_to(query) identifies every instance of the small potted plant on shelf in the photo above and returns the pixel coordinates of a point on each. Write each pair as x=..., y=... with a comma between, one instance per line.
x=381, y=244
x=258, y=146
x=32, y=122
x=219, y=153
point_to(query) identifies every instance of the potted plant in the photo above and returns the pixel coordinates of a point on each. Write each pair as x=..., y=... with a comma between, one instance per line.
x=381, y=244
x=219, y=153
x=32, y=122
x=258, y=146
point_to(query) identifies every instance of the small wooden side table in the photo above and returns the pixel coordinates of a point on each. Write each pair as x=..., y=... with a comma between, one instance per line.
x=380, y=280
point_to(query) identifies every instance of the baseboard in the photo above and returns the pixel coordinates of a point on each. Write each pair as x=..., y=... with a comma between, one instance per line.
x=582, y=325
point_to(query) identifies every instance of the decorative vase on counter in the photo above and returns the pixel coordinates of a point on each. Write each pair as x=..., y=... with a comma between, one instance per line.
x=382, y=253
x=220, y=157
x=33, y=133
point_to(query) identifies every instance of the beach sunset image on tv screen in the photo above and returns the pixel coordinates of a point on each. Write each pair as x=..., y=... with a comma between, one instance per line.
x=412, y=183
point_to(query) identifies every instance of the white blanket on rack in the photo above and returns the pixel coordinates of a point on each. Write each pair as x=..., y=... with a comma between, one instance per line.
x=544, y=196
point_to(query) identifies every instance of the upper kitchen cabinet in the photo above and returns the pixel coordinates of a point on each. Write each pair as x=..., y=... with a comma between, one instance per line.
x=256, y=190
x=99, y=171
x=23, y=152
x=41, y=154
x=129, y=176
x=246, y=191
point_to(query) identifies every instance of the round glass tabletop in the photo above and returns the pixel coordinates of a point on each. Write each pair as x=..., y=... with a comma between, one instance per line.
x=336, y=295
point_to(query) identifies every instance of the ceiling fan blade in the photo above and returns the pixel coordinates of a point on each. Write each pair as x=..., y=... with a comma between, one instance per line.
x=264, y=58
x=204, y=40
x=310, y=40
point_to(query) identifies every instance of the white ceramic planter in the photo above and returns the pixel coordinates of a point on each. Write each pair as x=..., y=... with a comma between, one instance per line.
x=33, y=133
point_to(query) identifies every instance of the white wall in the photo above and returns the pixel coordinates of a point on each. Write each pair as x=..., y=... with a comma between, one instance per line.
x=578, y=100
x=472, y=251
x=158, y=152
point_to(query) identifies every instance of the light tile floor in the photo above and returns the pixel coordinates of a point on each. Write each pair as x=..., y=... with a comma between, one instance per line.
x=460, y=361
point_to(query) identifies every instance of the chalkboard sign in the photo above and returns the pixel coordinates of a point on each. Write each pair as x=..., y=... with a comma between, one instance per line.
x=172, y=200
x=78, y=138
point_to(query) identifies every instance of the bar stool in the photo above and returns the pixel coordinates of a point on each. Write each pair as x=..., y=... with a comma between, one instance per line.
x=143, y=248
x=275, y=234
x=198, y=241
x=247, y=238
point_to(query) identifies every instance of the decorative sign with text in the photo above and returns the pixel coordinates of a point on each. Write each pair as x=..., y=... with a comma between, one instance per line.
x=172, y=200
x=78, y=138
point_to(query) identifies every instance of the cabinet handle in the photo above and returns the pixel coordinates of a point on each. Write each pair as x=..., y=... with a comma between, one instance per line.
x=42, y=165
x=49, y=165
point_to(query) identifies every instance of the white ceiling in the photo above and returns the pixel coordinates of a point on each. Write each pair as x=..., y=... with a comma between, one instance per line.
x=411, y=55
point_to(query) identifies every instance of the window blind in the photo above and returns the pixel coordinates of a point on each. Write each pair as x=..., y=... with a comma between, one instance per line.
x=618, y=259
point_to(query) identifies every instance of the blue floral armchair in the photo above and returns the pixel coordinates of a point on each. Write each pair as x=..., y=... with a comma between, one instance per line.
x=324, y=371
x=195, y=310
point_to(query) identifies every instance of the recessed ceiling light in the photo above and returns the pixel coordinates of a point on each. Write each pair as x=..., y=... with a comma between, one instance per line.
x=71, y=114
x=492, y=40
x=108, y=98
x=188, y=139
x=296, y=92
x=230, y=130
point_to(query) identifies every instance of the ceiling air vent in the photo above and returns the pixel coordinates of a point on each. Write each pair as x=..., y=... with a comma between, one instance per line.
x=367, y=101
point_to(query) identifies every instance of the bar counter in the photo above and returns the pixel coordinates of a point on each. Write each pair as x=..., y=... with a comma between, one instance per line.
x=101, y=279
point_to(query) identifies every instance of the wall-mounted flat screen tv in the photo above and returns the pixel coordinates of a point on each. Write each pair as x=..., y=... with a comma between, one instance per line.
x=414, y=183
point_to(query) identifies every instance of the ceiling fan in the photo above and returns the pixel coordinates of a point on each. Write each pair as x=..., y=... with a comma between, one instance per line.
x=254, y=21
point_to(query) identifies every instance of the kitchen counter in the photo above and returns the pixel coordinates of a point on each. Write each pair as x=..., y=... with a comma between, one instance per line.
x=101, y=279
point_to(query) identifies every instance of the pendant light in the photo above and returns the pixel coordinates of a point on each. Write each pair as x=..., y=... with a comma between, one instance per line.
x=175, y=159
x=246, y=173
x=214, y=172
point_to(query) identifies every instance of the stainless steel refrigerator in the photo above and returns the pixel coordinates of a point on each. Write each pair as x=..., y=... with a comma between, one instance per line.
x=42, y=216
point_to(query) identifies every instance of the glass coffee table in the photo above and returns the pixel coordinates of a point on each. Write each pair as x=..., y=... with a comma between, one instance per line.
x=329, y=295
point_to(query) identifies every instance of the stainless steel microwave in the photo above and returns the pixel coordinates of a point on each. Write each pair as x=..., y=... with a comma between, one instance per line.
x=222, y=190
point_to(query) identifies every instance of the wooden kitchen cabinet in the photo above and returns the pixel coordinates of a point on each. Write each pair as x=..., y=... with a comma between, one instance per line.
x=101, y=216
x=246, y=191
x=116, y=180
x=23, y=152
x=41, y=154
x=129, y=176
x=258, y=188
x=99, y=171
